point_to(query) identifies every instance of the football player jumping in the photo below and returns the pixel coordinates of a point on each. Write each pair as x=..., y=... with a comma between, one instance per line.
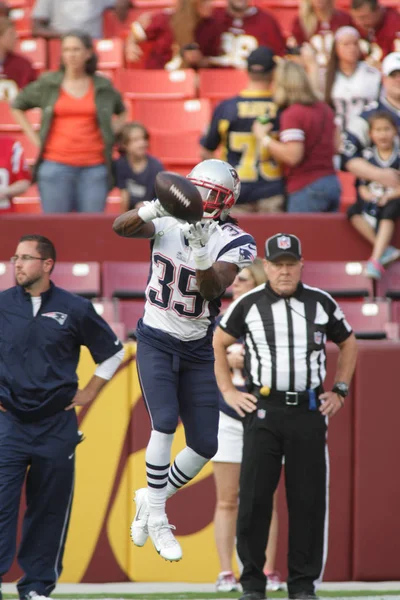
x=191, y=267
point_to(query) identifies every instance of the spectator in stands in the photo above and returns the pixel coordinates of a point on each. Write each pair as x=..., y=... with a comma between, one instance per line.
x=241, y=28
x=305, y=147
x=179, y=39
x=356, y=137
x=226, y=463
x=231, y=127
x=136, y=170
x=379, y=27
x=377, y=208
x=53, y=18
x=16, y=71
x=15, y=176
x=74, y=170
x=350, y=82
x=317, y=22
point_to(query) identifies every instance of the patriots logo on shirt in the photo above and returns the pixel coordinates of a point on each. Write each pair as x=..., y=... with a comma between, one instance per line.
x=57, y=316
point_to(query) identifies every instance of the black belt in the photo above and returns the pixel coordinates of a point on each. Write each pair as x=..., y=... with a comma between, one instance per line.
x=288, y=398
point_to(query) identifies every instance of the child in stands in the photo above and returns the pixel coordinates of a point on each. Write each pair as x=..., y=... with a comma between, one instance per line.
x=377, y=208
x=136, y=170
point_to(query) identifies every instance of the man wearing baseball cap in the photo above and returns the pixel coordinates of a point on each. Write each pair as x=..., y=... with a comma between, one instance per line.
x=356, y=137
x=285, y=325
x=231, y=128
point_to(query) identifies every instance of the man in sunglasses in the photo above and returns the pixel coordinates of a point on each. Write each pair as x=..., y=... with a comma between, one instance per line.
x=42, y=328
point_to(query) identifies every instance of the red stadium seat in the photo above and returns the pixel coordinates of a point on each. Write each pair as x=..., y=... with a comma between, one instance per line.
x=173, y=115
x=80, y=278
x=284, y=11
x=125, y=280
x=219, y=84
x=340, y=279
x=35, y=50
x=54, y=50
x=21, y=18
x=348, y=195
x=7, y=279
x=27, y=205
x=107, y=308
x=113, y=206
x=131, y=311
x=389, y=285
x=119, y=329
x=8, y=123
x=18, y=3
x=110, y=53
x=142, y=84
x=370, y=320
x=178, y=151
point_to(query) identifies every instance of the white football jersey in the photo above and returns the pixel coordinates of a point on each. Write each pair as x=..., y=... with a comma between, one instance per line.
x=351, y=94
x=173, y=301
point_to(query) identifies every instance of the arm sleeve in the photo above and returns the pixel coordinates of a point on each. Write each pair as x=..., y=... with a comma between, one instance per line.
x=42, y=10
x=119, y=106
x=338, y=329
x=29, y=97
x=291, y=128
x=232, y=321
x=97, y=335
x=212, y=137
x=157, y=26
x=107, y=368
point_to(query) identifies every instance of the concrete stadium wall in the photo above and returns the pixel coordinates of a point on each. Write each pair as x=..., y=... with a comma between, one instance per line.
x=364, y=446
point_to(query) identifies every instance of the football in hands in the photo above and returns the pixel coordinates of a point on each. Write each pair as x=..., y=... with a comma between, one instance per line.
x=179, y=196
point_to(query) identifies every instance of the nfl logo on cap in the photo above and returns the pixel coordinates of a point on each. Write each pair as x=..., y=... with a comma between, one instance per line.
x=284, y=242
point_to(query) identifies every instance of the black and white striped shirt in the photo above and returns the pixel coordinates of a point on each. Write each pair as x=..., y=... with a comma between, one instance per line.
x=285, y=337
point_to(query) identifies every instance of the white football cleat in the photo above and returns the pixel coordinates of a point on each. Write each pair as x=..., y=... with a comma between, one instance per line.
x=139, y=529
x=35, y=596
x=164, y=541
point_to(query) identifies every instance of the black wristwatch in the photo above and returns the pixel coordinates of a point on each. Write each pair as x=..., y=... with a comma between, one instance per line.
x=341, y=388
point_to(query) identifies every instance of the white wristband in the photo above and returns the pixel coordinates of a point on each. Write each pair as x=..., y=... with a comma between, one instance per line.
x=147, y=213
x=267, y=139
x=201, y=258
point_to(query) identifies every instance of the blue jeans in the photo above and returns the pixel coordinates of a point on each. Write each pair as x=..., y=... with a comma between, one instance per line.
x=64, y=188
x=322, y=195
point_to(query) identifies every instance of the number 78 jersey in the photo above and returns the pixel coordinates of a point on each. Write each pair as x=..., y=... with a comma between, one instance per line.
x=173, y=301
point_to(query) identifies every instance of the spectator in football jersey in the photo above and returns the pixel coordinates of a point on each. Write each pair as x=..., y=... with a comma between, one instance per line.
x=377, y=208
x=16, y=71
x=15, y=176
x=52, y=18
x=306, y=147
x=227, y=461
x=356, y=136
x=380, y=29
x=231, y=127
x=136, y=170
x=81, y=113
x=316, y=23
x=180, y=38
x=241, y=28
x=350, y=82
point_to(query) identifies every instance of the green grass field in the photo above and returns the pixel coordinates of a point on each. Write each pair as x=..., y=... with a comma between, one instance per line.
x=373, y=594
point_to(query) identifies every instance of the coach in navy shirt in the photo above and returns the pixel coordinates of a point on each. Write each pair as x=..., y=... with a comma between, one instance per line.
x=42, y=328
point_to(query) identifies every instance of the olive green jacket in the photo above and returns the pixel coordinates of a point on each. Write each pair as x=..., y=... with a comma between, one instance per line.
x=44, y=92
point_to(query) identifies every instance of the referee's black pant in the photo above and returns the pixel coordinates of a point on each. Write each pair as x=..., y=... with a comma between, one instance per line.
x=272, y=431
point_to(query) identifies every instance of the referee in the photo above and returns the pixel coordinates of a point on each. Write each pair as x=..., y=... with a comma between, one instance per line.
x=285, y=324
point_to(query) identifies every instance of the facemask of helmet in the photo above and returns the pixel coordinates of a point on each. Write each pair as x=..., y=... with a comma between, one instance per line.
x=219, y=187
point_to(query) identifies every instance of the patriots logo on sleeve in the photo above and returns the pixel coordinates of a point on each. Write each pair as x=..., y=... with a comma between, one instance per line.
x=247, y=252
x=57, y=316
